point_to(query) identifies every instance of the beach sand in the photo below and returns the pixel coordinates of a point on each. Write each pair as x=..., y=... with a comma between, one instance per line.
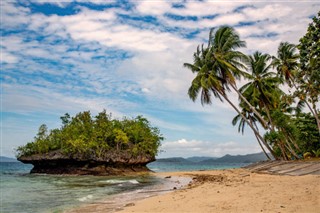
x=232, y=190
x=236, y=190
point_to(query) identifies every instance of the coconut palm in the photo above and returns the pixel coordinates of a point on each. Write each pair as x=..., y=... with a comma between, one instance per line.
x=263, y=92
x=262, y=89
x=287, y=65
x=286, y=62
x=217, y=67
x=242, y=123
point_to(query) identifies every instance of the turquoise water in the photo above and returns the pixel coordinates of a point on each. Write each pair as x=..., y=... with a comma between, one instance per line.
x=178, y=166
x=24, y=192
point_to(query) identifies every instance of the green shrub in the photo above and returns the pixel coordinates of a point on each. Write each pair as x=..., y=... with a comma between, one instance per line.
x=84, y=135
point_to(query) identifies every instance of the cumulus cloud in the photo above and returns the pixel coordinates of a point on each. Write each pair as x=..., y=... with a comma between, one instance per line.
x=189, y=148
x=128, y=58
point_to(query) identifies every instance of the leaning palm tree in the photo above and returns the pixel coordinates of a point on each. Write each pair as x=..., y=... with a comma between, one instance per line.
x=228, y=62
x=263, y=92
x=286, y=62
x=217, y=67
x=262, y=89
x=242, y=124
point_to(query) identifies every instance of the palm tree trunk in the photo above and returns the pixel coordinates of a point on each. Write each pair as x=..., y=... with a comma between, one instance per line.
x=264, y=123
x=264, y=151
x=317, y=119
x=283, y=151
x=252, y=127
x=292, y=141
x=291, y=150
x=270, y=119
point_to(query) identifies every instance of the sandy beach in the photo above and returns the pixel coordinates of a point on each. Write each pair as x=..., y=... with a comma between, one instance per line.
x=232, y=190
x=237, y=190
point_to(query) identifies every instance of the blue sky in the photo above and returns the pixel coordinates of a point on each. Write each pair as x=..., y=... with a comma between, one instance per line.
x=126, y=57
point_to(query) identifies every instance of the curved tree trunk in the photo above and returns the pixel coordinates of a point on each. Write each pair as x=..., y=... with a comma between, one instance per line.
x=270, y=119
x=252, y=127
x=264, y=151
x=289, y=147
x=317, y=120
x=264, y=123
x=312, y=110
x=283, y=151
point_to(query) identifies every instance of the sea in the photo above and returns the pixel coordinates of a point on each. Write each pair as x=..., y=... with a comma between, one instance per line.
x=22, y=192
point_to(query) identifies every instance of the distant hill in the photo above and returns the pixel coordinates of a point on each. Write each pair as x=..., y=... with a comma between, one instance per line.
x=249, y=158
x=6, y=159
x=199, y=159
x=173, y=160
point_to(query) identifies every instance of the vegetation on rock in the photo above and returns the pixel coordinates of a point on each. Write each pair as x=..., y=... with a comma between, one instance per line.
x=92, y=138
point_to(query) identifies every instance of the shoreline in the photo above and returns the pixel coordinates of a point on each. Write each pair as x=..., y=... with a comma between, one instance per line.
x=237, y=190
x=114, y=203
x=249, y=189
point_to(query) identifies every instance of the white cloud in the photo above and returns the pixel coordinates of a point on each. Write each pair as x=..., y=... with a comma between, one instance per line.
x=153, y=7
x=13, y=16
x=264, y=12
x=95, y=59
x=7, y=57
x=28, y=99
x=188, y=148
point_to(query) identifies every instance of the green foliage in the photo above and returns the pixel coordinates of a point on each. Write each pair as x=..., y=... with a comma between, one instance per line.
x=316, y=153
x=309, y=76
x=218, y=65
x=308, y=133
x=85, y=136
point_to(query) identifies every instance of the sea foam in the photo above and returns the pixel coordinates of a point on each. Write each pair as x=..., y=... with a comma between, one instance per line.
x=88, y=197
x=114, y=181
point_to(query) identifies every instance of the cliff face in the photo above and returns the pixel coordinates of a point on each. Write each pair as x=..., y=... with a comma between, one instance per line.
x=115, y=164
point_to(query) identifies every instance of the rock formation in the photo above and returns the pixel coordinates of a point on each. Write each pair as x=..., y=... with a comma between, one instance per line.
x=116, y=163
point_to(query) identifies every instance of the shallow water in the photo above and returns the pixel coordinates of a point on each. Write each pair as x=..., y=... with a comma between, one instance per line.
x=24, y=192
x=178, y=166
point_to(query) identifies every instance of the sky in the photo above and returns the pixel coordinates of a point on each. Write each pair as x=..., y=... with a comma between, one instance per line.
x=127, y=57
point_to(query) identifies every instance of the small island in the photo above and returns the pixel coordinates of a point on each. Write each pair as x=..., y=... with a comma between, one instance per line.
x=86, y=145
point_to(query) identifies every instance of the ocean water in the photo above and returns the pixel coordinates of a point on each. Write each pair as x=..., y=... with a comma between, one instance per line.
x=180, y=166
x=22, y=192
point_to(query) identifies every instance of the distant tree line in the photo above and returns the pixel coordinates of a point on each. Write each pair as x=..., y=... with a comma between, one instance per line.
x=93, y=137
x=289, y=133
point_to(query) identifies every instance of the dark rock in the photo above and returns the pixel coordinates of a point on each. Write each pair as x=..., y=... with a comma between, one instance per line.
x=56, y=162
x=129, y=204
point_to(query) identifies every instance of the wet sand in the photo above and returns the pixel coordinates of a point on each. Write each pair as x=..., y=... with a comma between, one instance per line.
x=268, y=187
x=113, y=203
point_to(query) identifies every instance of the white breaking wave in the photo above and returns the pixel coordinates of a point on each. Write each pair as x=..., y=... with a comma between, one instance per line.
x=88, y=197
x=133, y=181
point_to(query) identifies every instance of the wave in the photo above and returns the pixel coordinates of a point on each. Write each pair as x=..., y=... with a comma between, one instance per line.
x=115, y=181
x=88, y=197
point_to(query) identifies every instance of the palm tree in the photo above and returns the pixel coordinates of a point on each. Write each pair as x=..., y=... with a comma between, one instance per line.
x=286, y=62
x=242, y=124
x=217, y=67
x=262, y=89
x=287, y=65
x=228, y=62
x=263, y=92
